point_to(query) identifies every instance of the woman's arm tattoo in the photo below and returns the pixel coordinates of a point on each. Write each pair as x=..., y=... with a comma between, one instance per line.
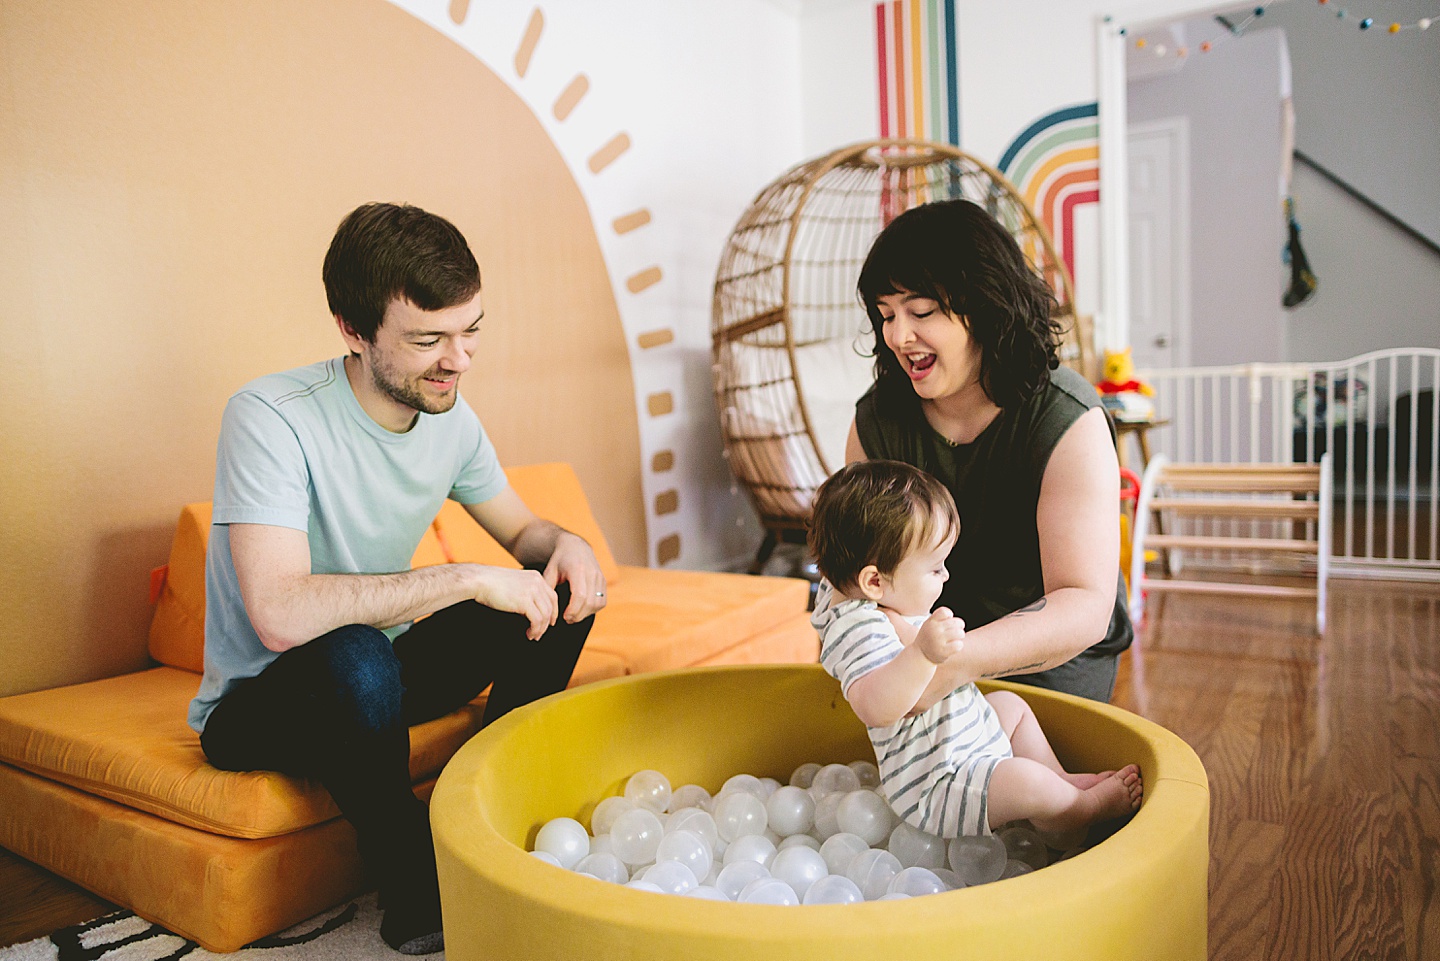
x=1030, y=608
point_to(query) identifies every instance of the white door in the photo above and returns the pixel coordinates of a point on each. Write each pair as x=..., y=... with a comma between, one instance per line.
x=1159, y=243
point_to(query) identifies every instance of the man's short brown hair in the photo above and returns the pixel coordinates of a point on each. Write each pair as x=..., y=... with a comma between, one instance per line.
x=876, y=512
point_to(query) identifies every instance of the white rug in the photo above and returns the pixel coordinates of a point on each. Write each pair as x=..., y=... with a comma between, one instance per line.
x=350, y=932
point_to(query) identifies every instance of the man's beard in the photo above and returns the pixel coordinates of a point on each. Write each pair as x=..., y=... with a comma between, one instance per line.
x=410, y=393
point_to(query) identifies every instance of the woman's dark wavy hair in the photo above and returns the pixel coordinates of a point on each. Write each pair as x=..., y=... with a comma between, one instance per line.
x=955, y=253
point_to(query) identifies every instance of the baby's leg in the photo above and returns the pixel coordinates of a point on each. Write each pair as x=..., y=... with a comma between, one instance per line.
x=1022, y=788
x=1027, y=740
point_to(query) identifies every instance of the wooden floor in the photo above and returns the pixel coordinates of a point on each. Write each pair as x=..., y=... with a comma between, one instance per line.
x=1324, y=764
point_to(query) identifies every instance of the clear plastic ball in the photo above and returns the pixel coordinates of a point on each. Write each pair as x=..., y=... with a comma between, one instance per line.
x=695, y=821
x=833, y=778
x=952, y=880
x=799, y=867
x=649, y=789
x=798, y=841
x=790, y=810
x=746, y=783
x=602, y=819
x=872, y=871
x=1024, y=844
x=672, y=877
x=827, y=820
x=639, y=884
x=916, y=883
x=977, y=859
x=803, y=775
x=738, y=814
x=767, y=891
x=706, y=892
x=690, y=796
x=768, y=786
x=565, y=838
x=733, y=877
x=915, y=848
x=688, y=848
x=750, y=847
x=868, y=773
x=636, y=835
x=1013, y=869
x=866, y=814
x=834, y=889
x=840, y=849
x=894, y=896
x=606, y=867
x=547, y=857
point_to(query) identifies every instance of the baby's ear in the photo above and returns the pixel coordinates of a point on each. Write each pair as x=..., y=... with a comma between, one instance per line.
x=870, y=583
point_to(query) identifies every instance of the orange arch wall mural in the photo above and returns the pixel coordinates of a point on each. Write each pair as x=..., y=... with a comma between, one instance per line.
x=1055, y=164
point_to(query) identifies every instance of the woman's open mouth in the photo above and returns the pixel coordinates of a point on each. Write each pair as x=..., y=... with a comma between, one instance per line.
x=918, y=365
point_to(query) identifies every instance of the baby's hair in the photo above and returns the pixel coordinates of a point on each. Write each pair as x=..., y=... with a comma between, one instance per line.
x=876, y=512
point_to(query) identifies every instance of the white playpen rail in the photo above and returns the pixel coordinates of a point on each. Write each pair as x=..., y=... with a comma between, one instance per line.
x=1377, y=414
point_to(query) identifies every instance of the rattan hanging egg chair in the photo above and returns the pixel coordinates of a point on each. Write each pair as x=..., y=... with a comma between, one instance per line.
x=791, y=341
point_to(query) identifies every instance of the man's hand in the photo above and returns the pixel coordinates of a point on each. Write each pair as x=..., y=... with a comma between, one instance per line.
x=941, y=637
x=573, y=562
x=527, y=593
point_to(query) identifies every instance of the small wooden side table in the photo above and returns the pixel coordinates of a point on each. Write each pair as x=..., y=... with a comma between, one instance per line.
x=1140, y=429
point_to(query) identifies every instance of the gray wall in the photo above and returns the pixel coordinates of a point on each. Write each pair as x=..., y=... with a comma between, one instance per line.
x=1232, y=99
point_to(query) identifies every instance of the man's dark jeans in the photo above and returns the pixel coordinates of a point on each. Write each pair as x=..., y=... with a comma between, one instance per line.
x=338, y=710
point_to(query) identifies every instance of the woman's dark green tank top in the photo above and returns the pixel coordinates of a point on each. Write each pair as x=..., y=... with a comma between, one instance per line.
x=995, y=480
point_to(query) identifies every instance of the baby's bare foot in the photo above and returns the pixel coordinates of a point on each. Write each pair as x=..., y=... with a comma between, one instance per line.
x=1119, y=794
x=1086, y=781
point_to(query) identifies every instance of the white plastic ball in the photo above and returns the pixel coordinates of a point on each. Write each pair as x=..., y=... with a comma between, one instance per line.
x=688, y=848
x=750, y=847
x=606, y=867
x=1013, y=869
x=832, y=779
x=872, y=871
x=834, y=889
x=649, y=789
x=790, y=810
x=827, y=821
x=799, y=867
x=602, y=819
x=733, y=877
x=952, y=880
x=566, y=839
x=866, y=814
x=695, y=821
x=894, y=896
x=672, y=877
x=547, y=857
x=768, y=891
x=706, y=892
x=690, y=796
x=977, y=859
x=803, y=775
x=798, y=841
x=744, y=783
x=840, y=849
x=738, y=814
x=768, y=786
x=1024, y=844
x=636, y=834
x=915, y=848
x=602, y=844
x=867, y=772
x=917, y=882
x=639, y=884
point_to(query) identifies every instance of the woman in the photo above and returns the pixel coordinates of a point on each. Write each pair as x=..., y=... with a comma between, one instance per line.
x=969, y=389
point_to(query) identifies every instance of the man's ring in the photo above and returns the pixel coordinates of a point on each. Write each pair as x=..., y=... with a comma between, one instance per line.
x=599, y=593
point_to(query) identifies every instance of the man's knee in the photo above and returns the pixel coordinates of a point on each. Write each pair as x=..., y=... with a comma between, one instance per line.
x=361, y=664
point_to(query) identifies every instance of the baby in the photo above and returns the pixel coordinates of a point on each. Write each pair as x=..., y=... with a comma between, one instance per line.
x=880, y=535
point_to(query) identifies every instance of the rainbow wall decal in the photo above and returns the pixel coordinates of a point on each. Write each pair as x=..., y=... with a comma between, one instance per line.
x=1055, y=164
x=919, y=96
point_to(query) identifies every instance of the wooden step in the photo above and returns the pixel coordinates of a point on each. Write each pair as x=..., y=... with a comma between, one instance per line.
x=1299, y=510
x=1216, y=587
x=1275, y=478
x=1207, y=543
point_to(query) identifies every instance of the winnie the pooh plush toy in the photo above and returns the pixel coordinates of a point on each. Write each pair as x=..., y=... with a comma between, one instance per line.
x=1123, y=396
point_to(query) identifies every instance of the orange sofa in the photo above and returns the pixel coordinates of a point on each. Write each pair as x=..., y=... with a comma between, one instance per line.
x=104, y=784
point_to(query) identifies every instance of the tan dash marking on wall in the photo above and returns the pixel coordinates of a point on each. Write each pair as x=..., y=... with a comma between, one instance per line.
x=528, y=42
x=607, y=154
x=571, y=95
x=655, y=338
x=629, y=222
x=662, y=461
x=660, y=404
x=458, y=10
x=668, y=549
x=667, y=502
x=648, y=277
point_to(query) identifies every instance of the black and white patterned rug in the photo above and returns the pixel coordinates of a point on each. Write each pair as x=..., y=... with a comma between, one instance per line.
x=350, y=932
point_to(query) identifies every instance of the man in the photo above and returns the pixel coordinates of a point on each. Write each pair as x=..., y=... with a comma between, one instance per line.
x=326, y=478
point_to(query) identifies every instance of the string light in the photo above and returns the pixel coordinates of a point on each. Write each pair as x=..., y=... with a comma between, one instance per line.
x=1364, y=23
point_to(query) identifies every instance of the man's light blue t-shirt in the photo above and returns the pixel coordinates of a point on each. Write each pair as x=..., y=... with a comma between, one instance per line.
x=297, y=450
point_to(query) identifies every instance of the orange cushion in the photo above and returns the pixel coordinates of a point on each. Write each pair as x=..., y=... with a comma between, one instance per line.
x=125, y=738
x=177, y=631
x=662, y=619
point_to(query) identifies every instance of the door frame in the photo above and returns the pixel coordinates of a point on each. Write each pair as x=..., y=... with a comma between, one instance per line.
x=1177, y=131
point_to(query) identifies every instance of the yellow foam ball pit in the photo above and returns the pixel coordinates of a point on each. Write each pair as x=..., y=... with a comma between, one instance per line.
x=1141, y=894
